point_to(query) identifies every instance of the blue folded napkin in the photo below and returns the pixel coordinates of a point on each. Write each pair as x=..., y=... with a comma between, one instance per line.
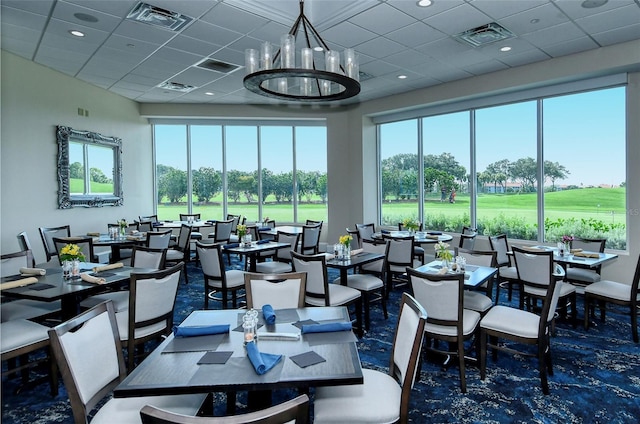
x=268, y=314
x=384, y=231
x=156, y=224
x=434, y=233
x=262, y=241
x=326, y=328
x=211, y=221
x=200, y=330
x=231, y=245
x=262, y=362
x=264, y=228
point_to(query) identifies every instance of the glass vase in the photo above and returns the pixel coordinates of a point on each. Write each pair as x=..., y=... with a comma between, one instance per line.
x=346, y=252
x=75, y=268
x=123, y=231
x=66, y=270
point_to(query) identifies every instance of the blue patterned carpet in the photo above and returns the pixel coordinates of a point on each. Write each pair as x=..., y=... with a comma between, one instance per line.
x=596, y=377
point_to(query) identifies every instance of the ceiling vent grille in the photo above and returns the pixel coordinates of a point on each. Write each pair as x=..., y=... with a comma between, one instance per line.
x=483, y=35
x=364, y=76
x=176, y=86
x=217, y=66
x=156, y=16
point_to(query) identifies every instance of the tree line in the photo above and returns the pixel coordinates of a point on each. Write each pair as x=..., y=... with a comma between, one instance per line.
x=76, y=170
x=443, y=172
x=207, y=183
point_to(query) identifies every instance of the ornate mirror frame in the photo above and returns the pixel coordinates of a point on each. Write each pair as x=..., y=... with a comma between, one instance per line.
x=66, y=200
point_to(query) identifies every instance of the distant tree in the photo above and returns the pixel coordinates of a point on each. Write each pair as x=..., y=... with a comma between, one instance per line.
x=623, y=184
x=268, y=184
x=207, y=182
x=76, y=170
x=554, y=171
x=283, y=187
x=321, y=187
x=233, y=185
x=174, y=185
x=97, y=176
x=524, y=171
x=498, y=173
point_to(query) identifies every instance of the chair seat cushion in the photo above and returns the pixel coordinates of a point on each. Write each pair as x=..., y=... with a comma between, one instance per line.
x=273, y=267
x=511, y=321
x=21, y=332
x=565, y=290
x=27, y=309
x=235, y=278
x=120, y=300
x=508, y=272
x=122, y=319
x=362, y=282
x=234, y=239
x=610, y=289
x=375, y=267
x=338, y=295
x=477, y=301
x=418, y=251
x=196, y=235
x=582, y=275
x=470, y=320
x=174, y=255
x=377, y=400
x=127, y=410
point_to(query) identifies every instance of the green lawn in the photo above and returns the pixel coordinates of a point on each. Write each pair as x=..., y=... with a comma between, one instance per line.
x=76, y=185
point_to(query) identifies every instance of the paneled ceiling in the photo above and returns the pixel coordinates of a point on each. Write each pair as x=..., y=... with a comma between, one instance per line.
x=392, y=38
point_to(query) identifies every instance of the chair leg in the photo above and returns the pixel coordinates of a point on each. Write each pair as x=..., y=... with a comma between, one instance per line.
x=483, y=354
x=383, y=300
x=463, y=381
x=574, y=311
x=365, y=300
x=634, y=323
x=587, y=310
x=543, y=369
x=359, y=317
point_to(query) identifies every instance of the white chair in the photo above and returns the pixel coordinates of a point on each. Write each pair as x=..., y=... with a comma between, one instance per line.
x=181, y=252
x=141, y=257
x=310, y=239
x=48, y=233
x=474, y=299
x=23, y=241
x=366, y=231
x=398, y=257
x=158, y=239
x=507, y=274
x=581, y=276
x=281, y=291
x=152, y=298
x=517, y=325
x=442, y=297
x=216, y=277
x=294, y=411
x=383, y=397
x=281, y=262
x=89, y=354
x=606, y=291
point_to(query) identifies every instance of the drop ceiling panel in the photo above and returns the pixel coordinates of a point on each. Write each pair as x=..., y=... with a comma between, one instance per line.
x=129, y=45
x=576, y=45
x=118, y=8
x=554, y=35
x=517, y=59
x=144, y=32
x=231, y=17
x=498, y=9
x=192, y=45
x=623, y=16
x=211, y=33
x=535, y=19
x=382, y=19
x=415, y=35
x=41, y=7
x=22, y=18
x=66, y=11
x=458, y=19
x=347, y=34
x=618, y=35
x=379, y=47
x=574, y=8
x=421, y=13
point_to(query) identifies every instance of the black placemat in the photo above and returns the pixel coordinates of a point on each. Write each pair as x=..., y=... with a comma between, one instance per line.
x=299, y=324
x=195, y=344
x=215, y=358
x=34, y=286
x=103, y=274
x=306, y=359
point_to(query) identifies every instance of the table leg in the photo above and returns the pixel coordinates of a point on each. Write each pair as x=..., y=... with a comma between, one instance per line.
x=343, y=276
x=259, y=399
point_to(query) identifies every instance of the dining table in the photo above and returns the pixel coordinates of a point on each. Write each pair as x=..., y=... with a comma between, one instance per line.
x=118, y=243
x=171, y=224
x=420, y=237
x=52, y=286
x=474, y=275
x=251, y=251
x=220, y=362
x=291, y=229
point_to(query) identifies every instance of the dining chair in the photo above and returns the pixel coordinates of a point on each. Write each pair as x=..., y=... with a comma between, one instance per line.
x=145, y=226
x=10, y=264
x=366, y=231
x=398, y=256
x=195, y=235
x=23, y=242
x=88, y=352
x=467, y=241
x=125, y=253
x=281, y=262
x=507, y=273
x=281, y=291
x=148, y=218
x=141, y=257
x=216, y=277
x=582, y=275
x=520, y=326
x=442, y=296
x=181, y=252
x=222, y=231
x=310, y=239
x=474, y=299
x=606, y=291
x=48, y=233
x=369, y=283
x=533, y=287
x=294, y=411
x=468, y=230
x=236, y=220
x=158, y=239
x=152, y=299
x=84, y=243
x=21, y=344
x=382, y=397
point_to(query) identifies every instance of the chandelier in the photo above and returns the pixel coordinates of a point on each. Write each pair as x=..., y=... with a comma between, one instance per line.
x=277, y=76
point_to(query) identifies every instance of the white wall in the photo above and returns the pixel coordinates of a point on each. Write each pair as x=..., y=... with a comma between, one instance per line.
x=35, y=100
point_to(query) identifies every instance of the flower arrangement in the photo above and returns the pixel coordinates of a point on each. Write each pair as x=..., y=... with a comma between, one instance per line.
x=411, y=224
x=566, y=239
x=442, y=251
x=265, y=220
x=241, y=230
x=345, y=240
x=71, y=252
x=123, y=224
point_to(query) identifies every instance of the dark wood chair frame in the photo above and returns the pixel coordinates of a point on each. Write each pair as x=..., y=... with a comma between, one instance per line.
x=50, y=251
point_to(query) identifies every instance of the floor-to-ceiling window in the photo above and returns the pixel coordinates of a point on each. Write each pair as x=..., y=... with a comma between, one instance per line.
x=539, y=168
x=274, y=170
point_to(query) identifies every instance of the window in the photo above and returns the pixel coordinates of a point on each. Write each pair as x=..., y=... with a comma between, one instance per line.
x=224, y=161
x=548, y=151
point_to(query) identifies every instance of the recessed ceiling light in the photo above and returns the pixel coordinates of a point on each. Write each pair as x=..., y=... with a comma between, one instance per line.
x=76, y=33
x=85, y=17
x=402, y=77
x=425, y=3
x=318, y=48
x=505, y=49
x=592, y=4
x=209, y=93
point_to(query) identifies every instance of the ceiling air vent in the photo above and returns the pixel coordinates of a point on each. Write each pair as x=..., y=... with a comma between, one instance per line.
x=217, y=66
x=156, y=16
x=363, y=76
x=483, y=35
x=176, y=86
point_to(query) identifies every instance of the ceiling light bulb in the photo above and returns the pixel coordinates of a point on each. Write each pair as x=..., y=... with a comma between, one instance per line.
x=209, y=93
x=402, y=77
x=318, y=49
x=425, y=3
x=505, y=49
x=76, y=33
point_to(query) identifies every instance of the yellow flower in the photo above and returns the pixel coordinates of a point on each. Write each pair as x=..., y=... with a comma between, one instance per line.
x=410, y=224
x=70, y=252
x=241, y=229
x=345, y=239
x=442, y=251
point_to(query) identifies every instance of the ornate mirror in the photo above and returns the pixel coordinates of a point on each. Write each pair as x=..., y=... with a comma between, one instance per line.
x=89, y=169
